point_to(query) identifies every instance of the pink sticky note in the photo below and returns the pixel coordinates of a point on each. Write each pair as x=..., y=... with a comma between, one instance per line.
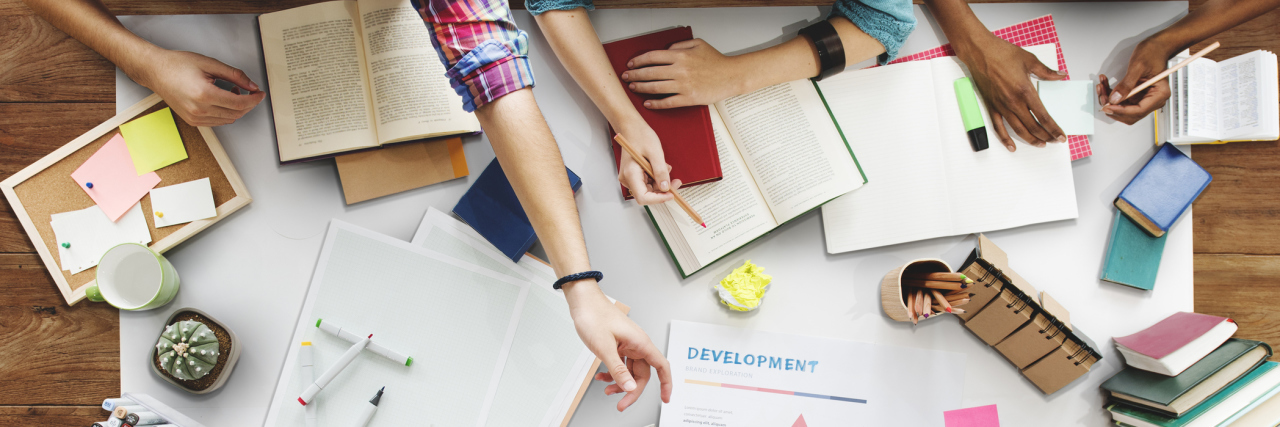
x=979, y=416
x=116, y=183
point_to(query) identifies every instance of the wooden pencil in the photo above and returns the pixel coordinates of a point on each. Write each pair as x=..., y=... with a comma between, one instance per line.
x=1166, y=73
x=919, y=302
x=941, y=277
x=959, y=302
x=644, y=164
x=954, y=310
x=937, y=296
x=927, y=304
x=956, y=297
x=933, y=284
x=911, y=307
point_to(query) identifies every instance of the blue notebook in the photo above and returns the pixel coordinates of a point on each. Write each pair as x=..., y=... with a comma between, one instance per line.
x=490, y=207
x=1133, y=256
x=1163, y=190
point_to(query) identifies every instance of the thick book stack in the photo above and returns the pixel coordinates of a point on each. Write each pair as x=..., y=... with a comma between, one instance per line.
x=1186, y=371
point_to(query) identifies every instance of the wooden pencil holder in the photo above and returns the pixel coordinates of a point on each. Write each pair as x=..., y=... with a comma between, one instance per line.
x=892, y=298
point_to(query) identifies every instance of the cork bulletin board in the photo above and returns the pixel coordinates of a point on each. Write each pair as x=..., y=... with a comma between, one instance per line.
x=46, y=188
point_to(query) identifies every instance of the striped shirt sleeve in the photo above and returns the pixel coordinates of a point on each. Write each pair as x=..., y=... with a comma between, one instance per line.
x=477, y=40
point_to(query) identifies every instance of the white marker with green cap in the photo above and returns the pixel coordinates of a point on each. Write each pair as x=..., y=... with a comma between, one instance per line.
x=333, y=371
x=374, y=347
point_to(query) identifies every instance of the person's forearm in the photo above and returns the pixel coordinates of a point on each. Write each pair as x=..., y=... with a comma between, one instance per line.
x=1211, y=18
x=92, y=24
x=531, y=161
x=798, y=58
x=575, y=42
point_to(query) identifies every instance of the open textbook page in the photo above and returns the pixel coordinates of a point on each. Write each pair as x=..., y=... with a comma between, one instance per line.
x=925, y=179
x=317, y=79
x=1230, y=100
x=781, y=156
x=411, y=96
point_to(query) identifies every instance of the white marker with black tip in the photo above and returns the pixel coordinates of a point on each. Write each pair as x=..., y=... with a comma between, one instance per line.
x=369, y=409
x=334, y=370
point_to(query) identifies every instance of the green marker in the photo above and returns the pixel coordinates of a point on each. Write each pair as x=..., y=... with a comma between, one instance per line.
x=970, y=114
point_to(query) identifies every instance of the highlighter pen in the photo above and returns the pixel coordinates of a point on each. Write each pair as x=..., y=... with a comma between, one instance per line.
x=352, y=337
x=970, y=114
x=333, y=371
x=308, y=374
x=366, y=413
x=111, y=404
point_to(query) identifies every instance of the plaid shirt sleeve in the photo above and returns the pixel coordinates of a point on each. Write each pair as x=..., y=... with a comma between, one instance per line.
x=485, y=54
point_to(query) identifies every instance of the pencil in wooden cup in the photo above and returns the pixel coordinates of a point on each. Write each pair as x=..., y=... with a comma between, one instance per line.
x=954, y=310
x=956, y=297
x=1167, y=72
x=958, y=302
x=911, y=307
x=940, y=277
x=644, y=164
x=933, y=284
x=937, y=297
x=919, y=305
x=927, y=304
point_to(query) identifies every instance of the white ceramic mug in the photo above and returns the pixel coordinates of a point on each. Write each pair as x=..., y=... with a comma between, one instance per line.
x=133, y=277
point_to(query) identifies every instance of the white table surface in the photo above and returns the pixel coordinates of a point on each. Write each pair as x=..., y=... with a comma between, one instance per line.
x=250, y=270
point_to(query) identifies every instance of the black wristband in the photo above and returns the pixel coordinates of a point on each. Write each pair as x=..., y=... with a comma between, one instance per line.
x=830, y=51
x=576, y=277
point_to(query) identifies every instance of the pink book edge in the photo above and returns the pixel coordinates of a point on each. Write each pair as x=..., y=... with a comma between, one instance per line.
x=1170, y=334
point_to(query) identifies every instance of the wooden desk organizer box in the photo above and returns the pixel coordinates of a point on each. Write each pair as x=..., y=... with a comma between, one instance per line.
x=1030, y=329
x=46, y=188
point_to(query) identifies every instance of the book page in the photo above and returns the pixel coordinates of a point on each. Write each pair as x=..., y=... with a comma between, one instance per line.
x=733, y=208
x=1238, y=89
x=996, y=189
x=1202, y=99
x=791, y=146
x=317, y=82
x=412, y=98
x=890, y=116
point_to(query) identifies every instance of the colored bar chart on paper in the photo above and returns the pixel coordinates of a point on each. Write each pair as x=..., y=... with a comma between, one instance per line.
x=775, y=391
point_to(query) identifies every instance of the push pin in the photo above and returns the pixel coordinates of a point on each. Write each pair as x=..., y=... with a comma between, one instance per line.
x=66, y=245
x=88, y=184
x=159, y=214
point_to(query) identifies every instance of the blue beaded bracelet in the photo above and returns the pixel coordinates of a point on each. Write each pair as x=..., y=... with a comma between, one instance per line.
x=576, y=277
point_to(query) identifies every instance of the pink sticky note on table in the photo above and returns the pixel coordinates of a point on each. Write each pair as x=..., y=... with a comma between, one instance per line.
x=116, y=183
x=979, y=416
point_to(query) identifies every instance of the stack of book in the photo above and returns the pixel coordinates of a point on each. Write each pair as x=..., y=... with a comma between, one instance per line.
x=1188, y=371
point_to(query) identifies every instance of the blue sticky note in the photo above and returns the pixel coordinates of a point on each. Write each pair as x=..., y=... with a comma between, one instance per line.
x=1070, y=103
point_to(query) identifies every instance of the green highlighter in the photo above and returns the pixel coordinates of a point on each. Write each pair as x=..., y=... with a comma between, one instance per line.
x=970, y=114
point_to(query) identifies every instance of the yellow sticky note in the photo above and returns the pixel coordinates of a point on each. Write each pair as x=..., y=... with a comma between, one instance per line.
x=153, y=141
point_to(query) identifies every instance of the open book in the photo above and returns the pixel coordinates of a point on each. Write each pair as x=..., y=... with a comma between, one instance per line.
x=904, y=122
x=1212, y=102
x=782, y=156
x=353, y=75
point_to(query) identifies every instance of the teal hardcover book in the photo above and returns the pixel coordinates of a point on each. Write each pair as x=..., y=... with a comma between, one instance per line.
x=1133, y=256
x=1142, y=416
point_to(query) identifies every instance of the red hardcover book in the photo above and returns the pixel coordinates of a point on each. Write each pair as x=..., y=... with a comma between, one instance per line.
x=688, y=143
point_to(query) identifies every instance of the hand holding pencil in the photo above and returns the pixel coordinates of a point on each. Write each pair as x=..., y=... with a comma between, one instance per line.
x=644, y=164
x=933, y=294
x=1146, y=75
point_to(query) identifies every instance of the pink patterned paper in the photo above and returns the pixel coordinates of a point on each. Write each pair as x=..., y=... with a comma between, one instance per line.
x=1030, y=33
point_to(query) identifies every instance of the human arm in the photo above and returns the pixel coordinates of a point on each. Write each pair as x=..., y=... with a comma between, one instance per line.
x=696, y=73
x=183, y=79
x=1151, y=56
x=1000, y=70
x=486, y=58
x=575, y=42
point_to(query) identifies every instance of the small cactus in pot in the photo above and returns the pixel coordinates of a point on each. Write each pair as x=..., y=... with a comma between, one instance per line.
x=188, y=350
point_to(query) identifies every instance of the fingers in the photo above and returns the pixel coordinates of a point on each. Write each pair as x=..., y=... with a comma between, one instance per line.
x=1046, y=122
x=1103, y=89
x=649, y=74
x=214, y=95
x=689, y=44
x=652, y=357
x=656, y=88
x=655, y=57
x=1043, y=72
x=1123, y=88
x=226, y=72
x=661, y=170
x=997, y=120
x=617, y=369
x=1016, y=121
x=641, y=370
x=634, y=178
x=673, y=101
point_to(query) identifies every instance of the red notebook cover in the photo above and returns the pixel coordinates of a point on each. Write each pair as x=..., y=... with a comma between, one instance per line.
x=1170, y=334
x=688, y=143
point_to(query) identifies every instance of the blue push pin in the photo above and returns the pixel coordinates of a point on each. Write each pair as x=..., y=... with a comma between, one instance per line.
x=88, y=184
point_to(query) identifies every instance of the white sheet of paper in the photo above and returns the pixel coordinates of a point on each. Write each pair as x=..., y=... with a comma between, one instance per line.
x=1070, y=103
x=91, y=234
x=720, y=374
x=183, y=203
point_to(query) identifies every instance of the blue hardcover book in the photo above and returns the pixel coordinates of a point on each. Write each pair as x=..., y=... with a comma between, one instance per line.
x=1163, y=190
x=490, y=206
x=1133, y=256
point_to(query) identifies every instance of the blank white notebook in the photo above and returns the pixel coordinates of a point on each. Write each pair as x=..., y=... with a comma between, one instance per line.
x=924, y=179
x=487, y=347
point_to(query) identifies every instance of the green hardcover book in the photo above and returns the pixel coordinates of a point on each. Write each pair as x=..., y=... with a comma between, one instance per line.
x=1138, y=417
x=1178, y=395
x=1133, y=256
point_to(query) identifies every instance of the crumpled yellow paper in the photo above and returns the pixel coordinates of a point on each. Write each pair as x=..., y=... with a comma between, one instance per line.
x=742, y=289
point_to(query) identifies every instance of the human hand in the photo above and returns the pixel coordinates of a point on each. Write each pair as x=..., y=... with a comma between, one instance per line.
x=692, y=71
x=185, y=81
x=1001, y=70
x=1147, y=60
x=646, y=190
x=627, y=352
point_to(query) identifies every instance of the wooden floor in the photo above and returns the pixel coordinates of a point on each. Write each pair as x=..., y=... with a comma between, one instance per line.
x=58, y=362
